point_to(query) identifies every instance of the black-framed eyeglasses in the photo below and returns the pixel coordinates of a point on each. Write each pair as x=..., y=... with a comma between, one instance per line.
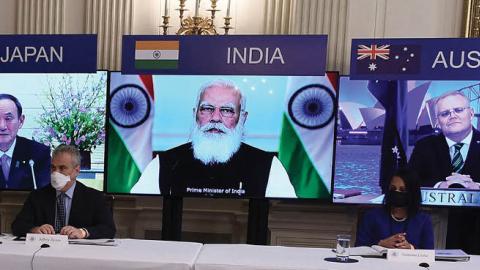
x=225, y=111
x=448, y=113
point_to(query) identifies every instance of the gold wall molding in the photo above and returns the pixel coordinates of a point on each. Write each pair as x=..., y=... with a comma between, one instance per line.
x=472, y=18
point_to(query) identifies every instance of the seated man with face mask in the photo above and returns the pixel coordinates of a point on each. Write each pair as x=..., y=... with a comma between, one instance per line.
x=66, y=207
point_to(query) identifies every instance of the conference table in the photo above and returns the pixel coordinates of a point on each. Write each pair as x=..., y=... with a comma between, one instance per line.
x=242, y=257
x=128, y=254
x=171, y=255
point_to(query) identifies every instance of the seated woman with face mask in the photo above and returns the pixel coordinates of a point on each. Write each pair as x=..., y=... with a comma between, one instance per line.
x=399, y=223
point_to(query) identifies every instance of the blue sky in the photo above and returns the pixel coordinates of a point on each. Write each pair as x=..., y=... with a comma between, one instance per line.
x=175, y=97
x=354, y=94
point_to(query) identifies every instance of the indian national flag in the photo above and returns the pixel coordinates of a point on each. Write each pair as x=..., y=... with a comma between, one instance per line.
x=307, y=138
x=130, y=130
x=154, y=54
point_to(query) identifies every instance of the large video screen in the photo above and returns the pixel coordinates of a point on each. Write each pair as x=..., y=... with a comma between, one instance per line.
x=431, y=129
x=39, y=112
x=222, y=136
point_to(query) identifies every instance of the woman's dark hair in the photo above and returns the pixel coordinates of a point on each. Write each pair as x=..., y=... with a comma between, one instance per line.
x=412, y=185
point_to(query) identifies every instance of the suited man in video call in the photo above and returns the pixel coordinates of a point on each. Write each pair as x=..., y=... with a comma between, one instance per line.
x=450, y=159
x=216, y=162
x=20, y=156
x=66, y=206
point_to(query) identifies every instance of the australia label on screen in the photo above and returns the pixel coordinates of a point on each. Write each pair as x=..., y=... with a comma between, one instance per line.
x=451, y=59
x=456, y=197
x=28, y=54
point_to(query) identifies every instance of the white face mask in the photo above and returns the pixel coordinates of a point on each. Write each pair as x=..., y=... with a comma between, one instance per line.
x=59, y=180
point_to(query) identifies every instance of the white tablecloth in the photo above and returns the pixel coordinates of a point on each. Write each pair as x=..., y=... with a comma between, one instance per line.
x=129, y=254
x=15, y=255
x=242, y=257
x=145, y=254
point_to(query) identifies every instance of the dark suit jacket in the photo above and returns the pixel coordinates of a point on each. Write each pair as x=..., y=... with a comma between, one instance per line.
x=20, y=176
x=183, y=175
x=431, y=159
x=88, y=210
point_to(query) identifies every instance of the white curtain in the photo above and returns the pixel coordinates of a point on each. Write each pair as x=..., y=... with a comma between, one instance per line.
x=313, y=17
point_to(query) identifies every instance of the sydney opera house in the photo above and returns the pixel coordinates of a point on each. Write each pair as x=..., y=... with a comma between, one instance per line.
x=420, y=117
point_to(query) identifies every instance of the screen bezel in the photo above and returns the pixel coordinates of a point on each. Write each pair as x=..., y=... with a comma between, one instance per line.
x=107, y=72
x=433, y=206
x=327, y=200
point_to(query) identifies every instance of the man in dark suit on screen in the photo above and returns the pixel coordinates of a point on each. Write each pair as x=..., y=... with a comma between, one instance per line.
x=451, y=159
x=216, y=162
x=66, y=206
x=22, y=161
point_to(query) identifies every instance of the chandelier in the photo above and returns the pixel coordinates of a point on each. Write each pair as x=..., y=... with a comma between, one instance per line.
x=196, y=25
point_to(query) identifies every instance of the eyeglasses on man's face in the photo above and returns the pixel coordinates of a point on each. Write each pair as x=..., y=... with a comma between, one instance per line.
x=225, y=111
x=448, y=113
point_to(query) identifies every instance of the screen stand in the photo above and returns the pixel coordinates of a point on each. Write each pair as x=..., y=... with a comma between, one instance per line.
x=172, y=218
x=257, y=231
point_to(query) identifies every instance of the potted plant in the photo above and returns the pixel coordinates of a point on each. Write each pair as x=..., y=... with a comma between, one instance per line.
x=75, y=114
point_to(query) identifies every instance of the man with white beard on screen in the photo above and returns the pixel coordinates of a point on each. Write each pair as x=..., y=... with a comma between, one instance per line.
x=216, y=163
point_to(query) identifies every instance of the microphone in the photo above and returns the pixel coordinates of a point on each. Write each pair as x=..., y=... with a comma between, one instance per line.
x=31, y=163
x=40, y=248
x=424, y=265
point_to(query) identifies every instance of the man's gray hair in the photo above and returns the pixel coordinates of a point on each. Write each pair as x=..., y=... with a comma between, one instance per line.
x=222, y=84
x=449, y=94
x=69, y=149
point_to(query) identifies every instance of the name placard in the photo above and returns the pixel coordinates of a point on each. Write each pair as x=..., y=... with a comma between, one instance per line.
x=48, y=53
x=451, y=196
x=225, y=55
x=53, y=240
x=411, y=255
x=415, y=59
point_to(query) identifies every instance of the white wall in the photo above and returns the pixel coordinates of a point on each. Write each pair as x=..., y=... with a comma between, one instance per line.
x=365, y=18
x=248, y=15
x=146, y=16
x=7, y=16
x=400, y=19
x=406, y=18
x=75, y=17
x=342, y=20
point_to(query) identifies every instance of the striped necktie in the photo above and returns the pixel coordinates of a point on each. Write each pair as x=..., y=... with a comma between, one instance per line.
x=457, y=160
x=60, y=216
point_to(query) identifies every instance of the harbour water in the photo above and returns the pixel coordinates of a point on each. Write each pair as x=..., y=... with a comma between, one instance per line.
x=357, y=167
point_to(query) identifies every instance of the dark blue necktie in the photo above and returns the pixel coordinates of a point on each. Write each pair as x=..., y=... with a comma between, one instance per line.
x=60, y=216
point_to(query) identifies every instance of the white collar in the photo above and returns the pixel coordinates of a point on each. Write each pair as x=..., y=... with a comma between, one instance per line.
x=69, y=191
x=9, y=152
x=398, y=219
x=465, y=141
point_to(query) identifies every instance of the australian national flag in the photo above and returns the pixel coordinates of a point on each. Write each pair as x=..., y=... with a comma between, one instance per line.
x=388, y=59
x=393, y=97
